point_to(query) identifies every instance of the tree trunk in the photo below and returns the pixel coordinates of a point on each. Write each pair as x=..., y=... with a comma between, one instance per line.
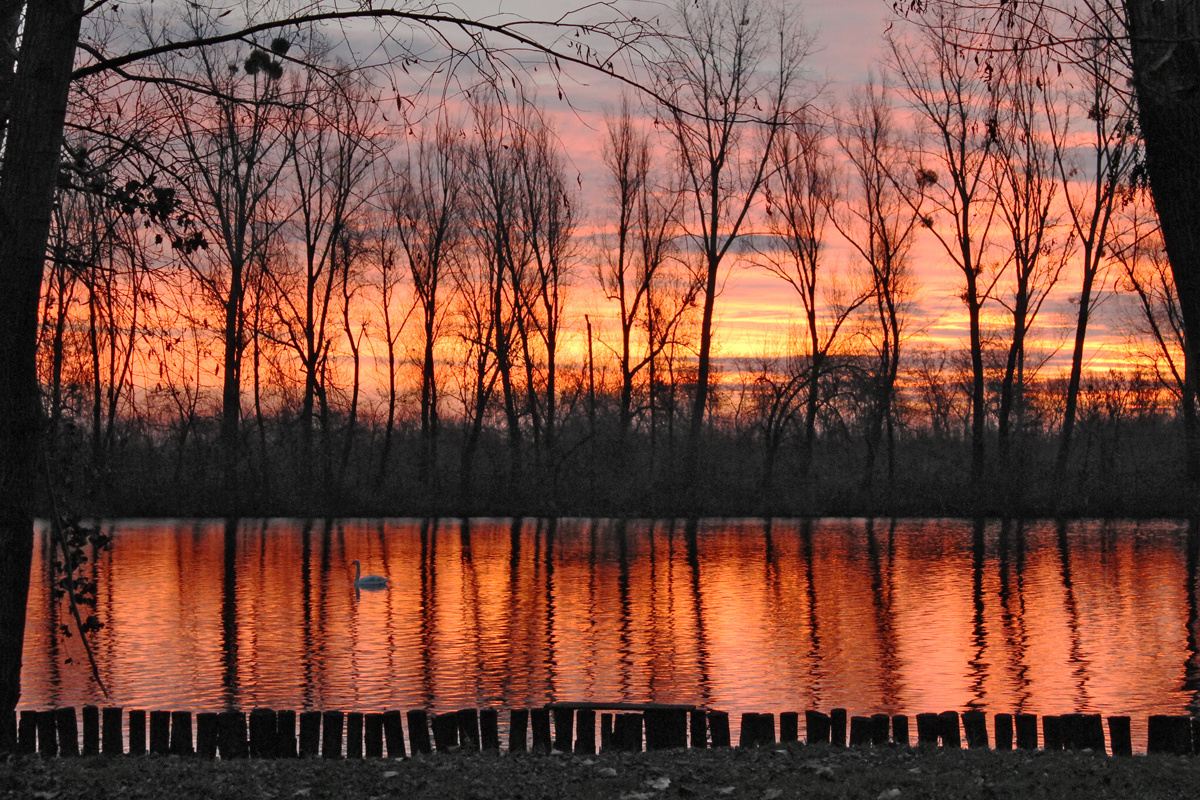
x=1165, y=45
x=231, y=394
x=38, y=105
x=703, y=373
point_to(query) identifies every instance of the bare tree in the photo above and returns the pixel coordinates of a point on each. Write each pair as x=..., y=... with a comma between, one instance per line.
x=227, y=152
x=427, y=212
x=347, y=261
x=637, y=271
x=35, y=107
x=801, y=190
x=1091, y=186
x=1158, y=331
x=501, y=257
x=328, y=141
x=388, y=263
x=1024, y=158
x=627, y=156
x=948, y=84
x=548, y=220
x=732, y=81
x=879, y=218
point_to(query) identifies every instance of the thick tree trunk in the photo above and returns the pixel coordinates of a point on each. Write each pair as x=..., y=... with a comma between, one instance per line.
x=38, y=105
x=1165, y=45
x=231, y=392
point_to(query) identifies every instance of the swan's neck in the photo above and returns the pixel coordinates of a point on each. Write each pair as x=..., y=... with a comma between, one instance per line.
x=357, y=571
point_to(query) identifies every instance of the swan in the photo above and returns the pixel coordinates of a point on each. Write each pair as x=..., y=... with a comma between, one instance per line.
x=367, y=581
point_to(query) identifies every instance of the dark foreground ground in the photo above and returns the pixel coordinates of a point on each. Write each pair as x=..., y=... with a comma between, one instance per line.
x=780, y=773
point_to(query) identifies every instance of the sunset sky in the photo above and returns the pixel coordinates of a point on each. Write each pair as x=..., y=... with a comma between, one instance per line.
x=755, y=309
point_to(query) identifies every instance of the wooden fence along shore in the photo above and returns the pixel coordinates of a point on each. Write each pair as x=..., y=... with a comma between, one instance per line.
x=267, y=733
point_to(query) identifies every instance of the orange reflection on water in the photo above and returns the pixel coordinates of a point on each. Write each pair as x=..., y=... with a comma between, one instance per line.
x=895, y=616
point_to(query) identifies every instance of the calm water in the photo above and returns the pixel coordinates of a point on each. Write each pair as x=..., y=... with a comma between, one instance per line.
x=753, y=615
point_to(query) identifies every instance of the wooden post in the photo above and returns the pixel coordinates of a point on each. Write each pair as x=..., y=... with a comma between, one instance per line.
x=27, y=733
x=718, y=726
x=1027, y=731
x=789, y=726
x=1004, y=732
x=160, y=733
x=91, y=730
x=766, y=729
x=585, y=731
x=1069, y=731
x=699, y=728
x=68, y=732
x=975, y=724
x=677, y=728
x=816, y=727
x=564, y=723
x=666, y=728
x=285, y=734
x=263, y=733
x=418, y=732
x=518, y=727
x=137, y=732
x=1119, y=736
x=181, y=733
x=656, y=733
x=627, y=733
x=373, y=735
x=948, y=729
x=331, y=734
x=747, y=736
x=606, y=733
x=900, y=729
x=1093, y=733
x=489, y=729
x=206, y=734
x=927, y=729
x=860, y=731
x=468, y=729
x=620, y=733
x=110, y=722
x=393, y=733
x=231, y=735
x=1169, y=734
x=310, y=734
x=1052, y=732
x=1083, y=732
x=445, y=731
x=837, y=727
x=881, y=729
x=47, y=734
x=540, y=720
x=354, y=734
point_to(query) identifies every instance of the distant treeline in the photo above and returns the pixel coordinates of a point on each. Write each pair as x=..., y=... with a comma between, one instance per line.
x=1128, y=463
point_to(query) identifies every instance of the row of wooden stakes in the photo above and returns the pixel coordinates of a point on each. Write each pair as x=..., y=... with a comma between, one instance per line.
x=267, y=733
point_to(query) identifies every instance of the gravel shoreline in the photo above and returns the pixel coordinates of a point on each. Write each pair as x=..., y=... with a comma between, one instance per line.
x=769, y=773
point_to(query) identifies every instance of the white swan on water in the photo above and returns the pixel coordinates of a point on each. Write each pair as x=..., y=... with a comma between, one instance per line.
x=367, y=581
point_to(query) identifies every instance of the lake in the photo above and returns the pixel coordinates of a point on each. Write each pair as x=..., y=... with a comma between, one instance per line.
x=896, y=616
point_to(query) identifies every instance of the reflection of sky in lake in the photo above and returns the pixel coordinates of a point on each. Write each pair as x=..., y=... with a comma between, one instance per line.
x=739, y=615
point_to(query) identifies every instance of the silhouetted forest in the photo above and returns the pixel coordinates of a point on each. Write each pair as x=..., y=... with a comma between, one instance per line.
x=268, y=293
x=1127, y=462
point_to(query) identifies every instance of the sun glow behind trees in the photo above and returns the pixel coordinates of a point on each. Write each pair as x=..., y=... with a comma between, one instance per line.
x=754, y=314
